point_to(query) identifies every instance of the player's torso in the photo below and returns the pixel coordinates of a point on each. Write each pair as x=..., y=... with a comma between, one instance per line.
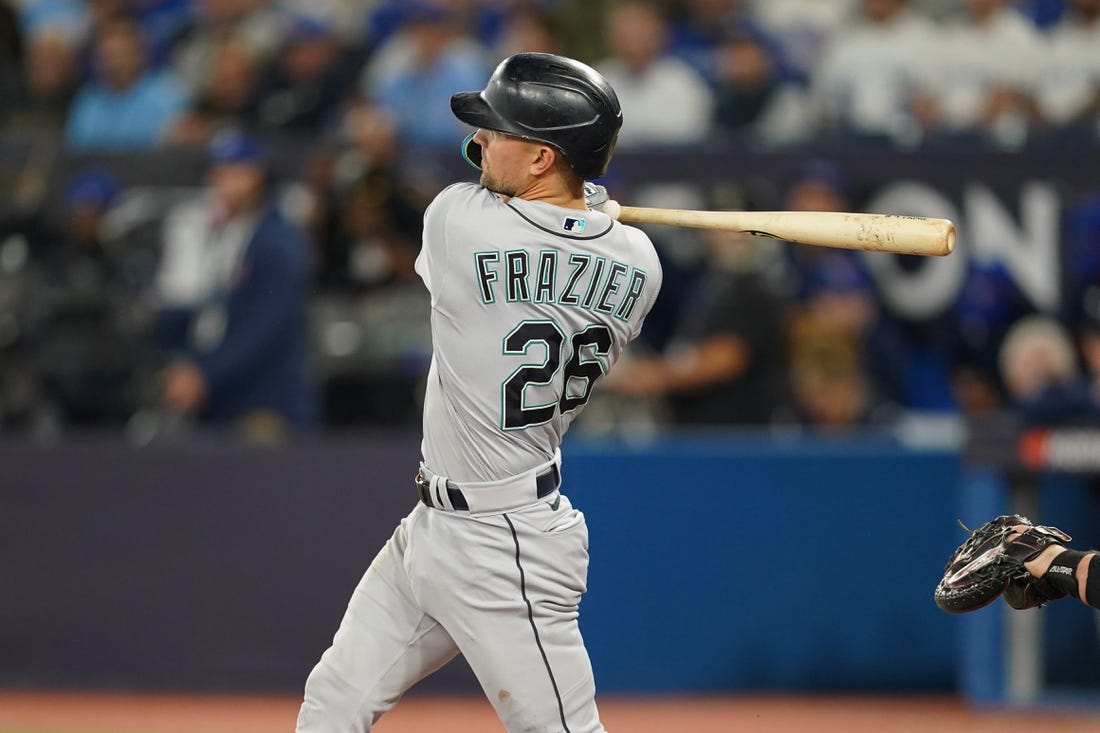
x=531, y=305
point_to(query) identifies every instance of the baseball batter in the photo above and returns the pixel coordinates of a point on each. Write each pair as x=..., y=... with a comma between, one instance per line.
x=534, y=297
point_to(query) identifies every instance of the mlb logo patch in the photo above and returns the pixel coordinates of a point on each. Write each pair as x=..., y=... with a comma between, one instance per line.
x=573, y=225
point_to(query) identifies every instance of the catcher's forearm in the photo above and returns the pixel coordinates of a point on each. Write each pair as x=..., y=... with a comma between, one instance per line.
x=1089, y=575
x=1069, y=571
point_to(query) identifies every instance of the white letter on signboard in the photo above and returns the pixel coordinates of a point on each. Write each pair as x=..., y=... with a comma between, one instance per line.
x=932, y=285
x=1029, y=250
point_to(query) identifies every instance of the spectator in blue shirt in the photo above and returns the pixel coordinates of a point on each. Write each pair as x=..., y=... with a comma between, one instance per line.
x=127, y=106
x=233, y=287
x=416, y=71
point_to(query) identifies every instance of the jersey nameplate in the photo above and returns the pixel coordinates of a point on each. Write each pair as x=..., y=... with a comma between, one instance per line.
x=585, y=281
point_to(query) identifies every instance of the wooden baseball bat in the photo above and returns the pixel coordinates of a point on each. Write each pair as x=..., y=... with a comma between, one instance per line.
x=915, y=235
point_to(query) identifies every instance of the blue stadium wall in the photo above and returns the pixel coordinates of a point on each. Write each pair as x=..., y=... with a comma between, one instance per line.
x=717, y=563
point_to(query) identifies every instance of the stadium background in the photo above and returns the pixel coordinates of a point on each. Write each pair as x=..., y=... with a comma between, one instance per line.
x=791, y=552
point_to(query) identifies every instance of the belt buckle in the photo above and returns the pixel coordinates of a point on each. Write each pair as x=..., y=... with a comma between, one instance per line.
x=423, y=488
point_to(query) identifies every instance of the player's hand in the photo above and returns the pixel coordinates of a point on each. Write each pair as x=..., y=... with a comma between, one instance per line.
x=595, y=195
x=185, y=387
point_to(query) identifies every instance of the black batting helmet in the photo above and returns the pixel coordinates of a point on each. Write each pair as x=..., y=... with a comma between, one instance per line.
x=550, y=99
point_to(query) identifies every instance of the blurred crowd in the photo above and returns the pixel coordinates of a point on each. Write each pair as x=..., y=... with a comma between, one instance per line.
x=153, y=307
x=126, y=74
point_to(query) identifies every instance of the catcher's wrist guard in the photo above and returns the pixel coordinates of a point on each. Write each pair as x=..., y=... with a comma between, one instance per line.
x=989, y=564
x=1062, y=573
x=1092, y=584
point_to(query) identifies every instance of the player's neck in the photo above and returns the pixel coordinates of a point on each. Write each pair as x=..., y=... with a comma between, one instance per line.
x=552, y=192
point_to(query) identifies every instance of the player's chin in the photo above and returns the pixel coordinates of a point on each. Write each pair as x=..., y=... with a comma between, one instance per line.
x=496, y=186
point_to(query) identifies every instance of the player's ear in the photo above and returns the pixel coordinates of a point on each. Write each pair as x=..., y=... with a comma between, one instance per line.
x=544, y=161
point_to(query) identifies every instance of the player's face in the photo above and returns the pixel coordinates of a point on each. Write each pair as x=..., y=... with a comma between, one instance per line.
x=505, y=161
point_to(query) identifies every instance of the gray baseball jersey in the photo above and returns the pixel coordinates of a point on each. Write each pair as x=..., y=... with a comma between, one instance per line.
x=531, y=304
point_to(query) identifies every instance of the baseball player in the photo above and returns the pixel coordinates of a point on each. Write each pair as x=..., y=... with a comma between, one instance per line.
x=534, y=296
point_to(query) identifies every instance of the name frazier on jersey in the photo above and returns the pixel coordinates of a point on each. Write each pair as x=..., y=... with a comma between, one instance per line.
x=608, y=286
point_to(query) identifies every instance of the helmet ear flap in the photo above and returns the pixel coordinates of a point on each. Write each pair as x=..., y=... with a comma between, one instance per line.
x=471, y=151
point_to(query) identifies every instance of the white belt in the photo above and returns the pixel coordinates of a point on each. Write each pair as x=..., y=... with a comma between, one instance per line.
x=489, y=497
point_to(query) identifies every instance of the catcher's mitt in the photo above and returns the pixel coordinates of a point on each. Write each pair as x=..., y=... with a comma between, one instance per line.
x=1029, y=592
x=983, y=567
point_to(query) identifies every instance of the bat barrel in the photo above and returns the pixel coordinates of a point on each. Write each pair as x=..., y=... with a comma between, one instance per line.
x=868, y=232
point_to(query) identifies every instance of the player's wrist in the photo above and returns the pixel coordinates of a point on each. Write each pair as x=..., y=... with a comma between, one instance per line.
x=1062, y=572
x=1039, y=566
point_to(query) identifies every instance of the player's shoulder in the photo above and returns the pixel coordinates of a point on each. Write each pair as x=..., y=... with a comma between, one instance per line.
x=463, y=195
x=462, y=212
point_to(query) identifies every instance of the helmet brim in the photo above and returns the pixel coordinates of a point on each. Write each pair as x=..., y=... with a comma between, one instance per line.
x=471, y=108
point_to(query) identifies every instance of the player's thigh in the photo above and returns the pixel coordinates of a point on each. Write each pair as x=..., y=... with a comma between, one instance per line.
x=517, y=624
x=385, y=644
x=537, y=675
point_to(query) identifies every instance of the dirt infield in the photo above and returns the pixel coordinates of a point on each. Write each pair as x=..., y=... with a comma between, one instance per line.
x=24, y=712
